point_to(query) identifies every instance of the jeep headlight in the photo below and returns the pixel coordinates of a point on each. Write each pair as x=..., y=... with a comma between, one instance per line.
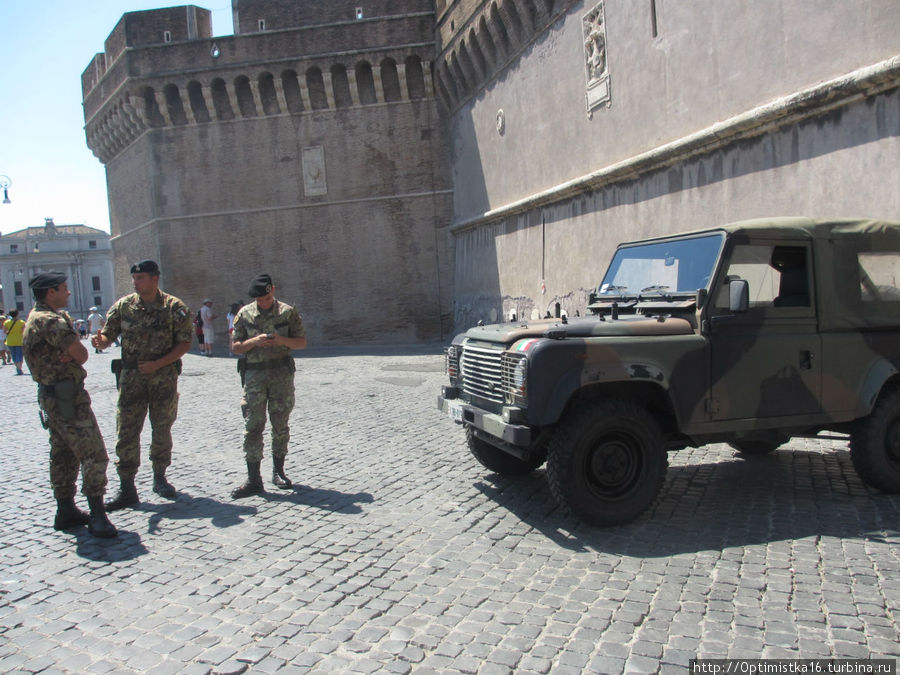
x=515, y=378
x=451, y=363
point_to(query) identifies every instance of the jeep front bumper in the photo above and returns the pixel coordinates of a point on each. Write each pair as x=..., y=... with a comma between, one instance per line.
x=490, y=423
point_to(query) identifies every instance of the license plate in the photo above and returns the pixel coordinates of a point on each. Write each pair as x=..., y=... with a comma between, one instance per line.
x=455, y=411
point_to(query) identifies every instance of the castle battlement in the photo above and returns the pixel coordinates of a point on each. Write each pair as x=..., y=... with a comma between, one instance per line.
x=162, y=68
x=477, y=39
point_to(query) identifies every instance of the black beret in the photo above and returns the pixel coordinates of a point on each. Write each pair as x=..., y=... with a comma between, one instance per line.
x=260, y=285
x=148, y=266
x=47, y=280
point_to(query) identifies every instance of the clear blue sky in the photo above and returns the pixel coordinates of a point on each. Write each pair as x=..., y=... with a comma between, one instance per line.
x=45, y=45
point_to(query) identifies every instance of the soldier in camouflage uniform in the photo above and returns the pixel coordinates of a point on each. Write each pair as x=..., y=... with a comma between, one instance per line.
x=55, y=355
x=156, y=332
x=266, y=331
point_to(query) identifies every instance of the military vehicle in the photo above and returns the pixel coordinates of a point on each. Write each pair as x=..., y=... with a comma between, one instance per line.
x=748, y=334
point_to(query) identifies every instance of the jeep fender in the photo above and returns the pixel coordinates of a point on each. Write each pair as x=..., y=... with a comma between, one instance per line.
x=879, y=373
x=628, y=378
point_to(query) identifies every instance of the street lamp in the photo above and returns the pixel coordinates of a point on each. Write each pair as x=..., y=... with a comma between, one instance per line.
x=5, y=182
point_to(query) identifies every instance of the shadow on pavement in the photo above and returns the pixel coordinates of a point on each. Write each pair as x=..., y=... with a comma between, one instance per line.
x=330, y=500
x=127, y=546
x=185, y=507
x=787, y=495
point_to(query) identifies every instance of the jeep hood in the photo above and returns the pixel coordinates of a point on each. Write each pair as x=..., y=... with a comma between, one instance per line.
x=581, y=328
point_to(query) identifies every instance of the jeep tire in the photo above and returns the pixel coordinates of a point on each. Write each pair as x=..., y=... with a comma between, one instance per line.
x=607, y=461
x=496, y=460
x=875, y=444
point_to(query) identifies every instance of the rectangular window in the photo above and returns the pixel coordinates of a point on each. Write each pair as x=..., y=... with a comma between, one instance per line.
x=878, y=276
x=777, y=275
x=167, y=36
x=262, y=24
x=20, y=305
x=13, y=248
x=98, y=300
x=18, y=288
x=92, y=243
x=359, y=13
x=95, y=283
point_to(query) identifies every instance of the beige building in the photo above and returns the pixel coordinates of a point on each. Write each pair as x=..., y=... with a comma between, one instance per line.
x=309, y=145
x=574, y=125
x=406, y=168
x=82, y=253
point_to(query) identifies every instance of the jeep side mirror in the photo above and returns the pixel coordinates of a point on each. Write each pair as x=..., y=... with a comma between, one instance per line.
x=739, y=295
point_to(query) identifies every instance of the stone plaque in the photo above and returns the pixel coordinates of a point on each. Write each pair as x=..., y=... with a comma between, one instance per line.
x=314, y=183
x=596, y=66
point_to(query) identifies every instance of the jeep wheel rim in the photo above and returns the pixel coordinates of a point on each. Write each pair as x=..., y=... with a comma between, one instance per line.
x=613, y=466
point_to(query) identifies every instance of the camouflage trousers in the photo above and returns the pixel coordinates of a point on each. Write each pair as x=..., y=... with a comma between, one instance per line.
x=273, y=389
x=138, y=395
x=75, y=444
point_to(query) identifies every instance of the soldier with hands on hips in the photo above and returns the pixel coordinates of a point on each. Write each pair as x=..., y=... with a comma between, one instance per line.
x=265, y=332
x=156, y=332
x=55, y=356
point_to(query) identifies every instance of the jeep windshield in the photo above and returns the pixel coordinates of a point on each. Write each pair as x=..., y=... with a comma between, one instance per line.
x=662, y=268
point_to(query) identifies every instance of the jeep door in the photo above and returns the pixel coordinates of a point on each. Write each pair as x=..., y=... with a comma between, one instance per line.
x=764, y=362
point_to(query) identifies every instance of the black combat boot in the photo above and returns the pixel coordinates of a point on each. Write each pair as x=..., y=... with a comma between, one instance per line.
x=127, y=496
x=99, y=524
x=162, y=487
x=278, y=477
x=68, y=515
x=252, y=486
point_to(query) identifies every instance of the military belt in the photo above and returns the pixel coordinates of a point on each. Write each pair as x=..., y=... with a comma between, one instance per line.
x=65, y=387
x=269, y=364
x=132, y=365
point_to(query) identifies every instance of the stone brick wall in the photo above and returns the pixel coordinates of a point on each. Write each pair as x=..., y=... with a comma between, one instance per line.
x=317, y=155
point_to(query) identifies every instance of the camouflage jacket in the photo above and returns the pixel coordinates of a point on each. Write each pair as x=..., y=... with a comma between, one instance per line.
x=47, y=336
x=281, y=319
x=148, y=330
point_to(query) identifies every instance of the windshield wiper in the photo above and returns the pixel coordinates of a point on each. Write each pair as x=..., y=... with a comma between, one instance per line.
x=655, y=289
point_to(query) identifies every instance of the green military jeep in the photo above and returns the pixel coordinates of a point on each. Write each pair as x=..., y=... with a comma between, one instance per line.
x=748, y=334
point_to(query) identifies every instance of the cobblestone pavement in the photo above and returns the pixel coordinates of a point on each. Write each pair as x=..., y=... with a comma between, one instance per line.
x=398, y=553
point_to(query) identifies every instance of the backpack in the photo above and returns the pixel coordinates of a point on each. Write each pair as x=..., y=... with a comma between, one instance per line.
x=198, y=321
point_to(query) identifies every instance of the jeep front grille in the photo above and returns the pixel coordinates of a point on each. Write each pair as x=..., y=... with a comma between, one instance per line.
x=482, y=372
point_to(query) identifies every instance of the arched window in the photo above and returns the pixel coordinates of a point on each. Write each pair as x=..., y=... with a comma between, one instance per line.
x=529, y=12
x=515, y=20
x=315, y=83
x=497, y=23
x=151, y=109
x=267, y=95
x=244, y=96
x=220, y=100
x=292, y=91
x=447, y=86
x=462, y=86
x=476, y=53
x=174, y=105
x=487, y=41
x=365, y=83
x=465, y=61
x=198, y=103
x=390, y=81
x=341, y=86
x=415, y=78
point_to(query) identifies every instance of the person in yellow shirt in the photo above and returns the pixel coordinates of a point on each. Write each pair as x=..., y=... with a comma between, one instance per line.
x=14, y=327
